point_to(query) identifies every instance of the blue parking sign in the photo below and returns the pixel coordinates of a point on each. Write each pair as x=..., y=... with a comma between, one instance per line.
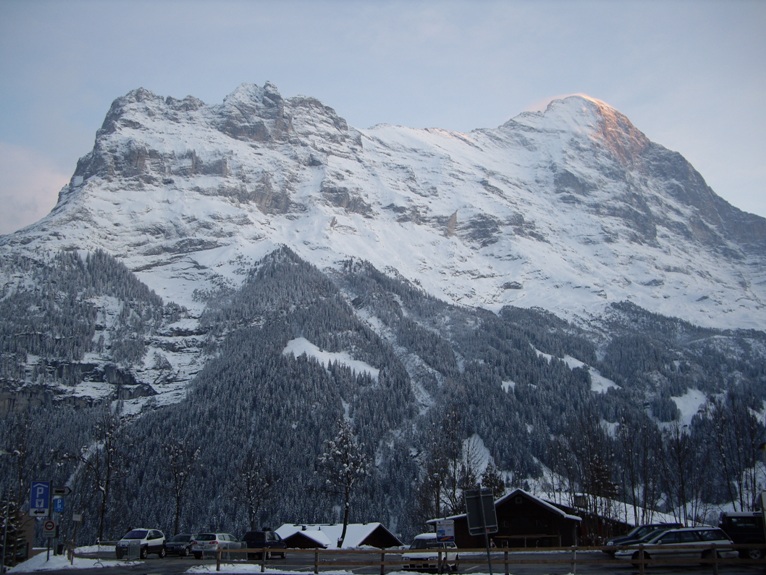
x=40, y=499
x=58, y=505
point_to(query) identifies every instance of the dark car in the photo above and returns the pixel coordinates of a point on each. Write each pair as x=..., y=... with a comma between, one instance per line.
x=266, y=539
x=745, y=528
x=180, y=545
x=637, y=535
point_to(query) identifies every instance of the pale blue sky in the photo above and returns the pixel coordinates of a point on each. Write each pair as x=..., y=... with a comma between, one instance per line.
x=689, y=73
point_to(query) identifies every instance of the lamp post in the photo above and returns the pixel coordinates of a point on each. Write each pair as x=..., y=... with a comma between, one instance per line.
x=5, y=531
x=5, y=522
x=7, y=511
x=762, y=498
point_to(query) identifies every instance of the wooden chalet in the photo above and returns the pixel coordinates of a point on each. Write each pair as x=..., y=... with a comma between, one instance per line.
x=523, y=520
x=311, y=536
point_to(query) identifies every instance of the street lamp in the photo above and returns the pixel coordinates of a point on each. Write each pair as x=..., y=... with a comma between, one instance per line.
x=14, y=453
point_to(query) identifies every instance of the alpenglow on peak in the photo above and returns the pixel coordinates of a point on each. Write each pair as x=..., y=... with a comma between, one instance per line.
x=569, y=209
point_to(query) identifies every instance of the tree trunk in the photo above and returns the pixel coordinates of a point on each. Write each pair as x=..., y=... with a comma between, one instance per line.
x=346, y=511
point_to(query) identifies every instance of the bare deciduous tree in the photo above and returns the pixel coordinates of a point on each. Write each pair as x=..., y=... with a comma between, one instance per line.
x=100, y=462
x=254, y=483
x=344, y=464
x=181, y=460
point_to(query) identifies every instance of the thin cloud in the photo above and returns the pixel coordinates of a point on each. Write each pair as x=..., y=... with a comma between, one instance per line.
x=29, y=186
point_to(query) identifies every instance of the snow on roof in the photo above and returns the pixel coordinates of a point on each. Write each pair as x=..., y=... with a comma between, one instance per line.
x=316, y=535
x=624, y=512
x=542, y=502
x=328, y=534
x=514, y=493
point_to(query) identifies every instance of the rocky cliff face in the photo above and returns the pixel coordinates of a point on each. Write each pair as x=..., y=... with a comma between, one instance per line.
x=568, y=209
x=258, y=269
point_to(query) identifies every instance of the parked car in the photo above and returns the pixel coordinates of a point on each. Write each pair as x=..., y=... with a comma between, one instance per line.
x=267, y=539
x=425, y=552
x=209, y=543
x=637, y=535
x=745, y=528
x=180, y=545
x=691, y=543
x=146, y=540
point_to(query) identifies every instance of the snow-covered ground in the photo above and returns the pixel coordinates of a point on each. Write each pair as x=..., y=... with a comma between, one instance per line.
x=56, y=563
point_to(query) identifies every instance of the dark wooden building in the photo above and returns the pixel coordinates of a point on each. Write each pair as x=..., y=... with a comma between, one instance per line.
x=523, y=520
x=326, y=535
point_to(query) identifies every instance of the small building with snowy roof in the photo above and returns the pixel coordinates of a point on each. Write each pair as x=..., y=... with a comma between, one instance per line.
x=309, y=536
x=523, y=520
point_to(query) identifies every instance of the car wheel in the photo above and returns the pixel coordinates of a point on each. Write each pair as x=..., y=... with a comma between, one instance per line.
x=754, y=554
x=198, y=555
x=144, y=552
x=185, y=552
x=162, y=553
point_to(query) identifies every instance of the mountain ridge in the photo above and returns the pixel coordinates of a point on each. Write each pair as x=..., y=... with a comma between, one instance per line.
x=571, y=195
x=534, y=290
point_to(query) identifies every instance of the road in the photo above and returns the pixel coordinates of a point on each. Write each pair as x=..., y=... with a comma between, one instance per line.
x=538, y=563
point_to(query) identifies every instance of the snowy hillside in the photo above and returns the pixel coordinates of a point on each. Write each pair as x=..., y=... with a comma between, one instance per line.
x=568, y=210
x=220, y=285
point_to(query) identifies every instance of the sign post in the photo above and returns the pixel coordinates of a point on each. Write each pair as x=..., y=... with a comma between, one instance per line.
x=49, y=529
x=445, y=530
x=481, y=516
x=40, y=499
x=76, y=519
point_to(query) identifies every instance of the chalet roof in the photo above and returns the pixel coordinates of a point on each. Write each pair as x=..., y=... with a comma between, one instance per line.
x=552, y=508
x=327, y=534
x=539, y=501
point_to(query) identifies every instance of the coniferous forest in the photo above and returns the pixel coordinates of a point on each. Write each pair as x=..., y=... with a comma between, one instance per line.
x=460, y=397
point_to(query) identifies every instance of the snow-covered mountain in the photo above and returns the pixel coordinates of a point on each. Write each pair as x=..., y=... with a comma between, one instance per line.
x=568, y=210
x=233, y=279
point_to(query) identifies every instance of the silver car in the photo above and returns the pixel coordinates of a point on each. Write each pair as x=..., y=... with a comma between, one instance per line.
x=208, y=544
x=675, y=545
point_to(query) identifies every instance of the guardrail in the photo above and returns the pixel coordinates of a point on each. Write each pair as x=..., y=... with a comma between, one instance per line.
x=504, y=558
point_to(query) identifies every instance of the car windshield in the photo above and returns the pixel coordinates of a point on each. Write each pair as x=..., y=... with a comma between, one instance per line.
x=136, y=534
x=652, y=534
x=653, y=537
x=711, y=535
x=206, y=537
x=428, y=544
x=639, y=531
x=183, y=538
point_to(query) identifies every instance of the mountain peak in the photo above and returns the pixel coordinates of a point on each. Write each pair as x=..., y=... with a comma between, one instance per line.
x=583, y=116
x=566, y=209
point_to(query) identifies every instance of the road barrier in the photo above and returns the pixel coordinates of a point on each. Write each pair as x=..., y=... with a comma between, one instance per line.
x=502, y=559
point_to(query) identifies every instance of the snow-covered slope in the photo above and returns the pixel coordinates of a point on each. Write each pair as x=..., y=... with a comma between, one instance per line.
x=568, y=209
